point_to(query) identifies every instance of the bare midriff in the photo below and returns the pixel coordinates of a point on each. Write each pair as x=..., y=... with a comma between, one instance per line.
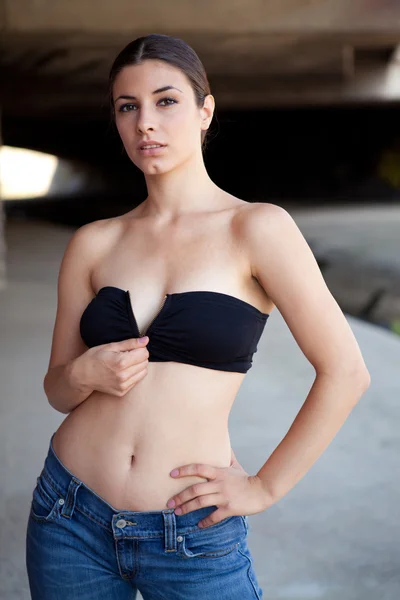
x=124, y=448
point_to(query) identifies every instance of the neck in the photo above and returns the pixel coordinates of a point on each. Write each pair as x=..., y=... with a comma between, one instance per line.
x=185, y=190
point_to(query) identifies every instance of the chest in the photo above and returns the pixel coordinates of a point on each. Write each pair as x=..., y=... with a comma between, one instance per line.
x=150, y=265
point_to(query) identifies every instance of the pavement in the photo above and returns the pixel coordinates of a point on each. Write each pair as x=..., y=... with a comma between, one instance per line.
x=358, y=250
x=335, y=535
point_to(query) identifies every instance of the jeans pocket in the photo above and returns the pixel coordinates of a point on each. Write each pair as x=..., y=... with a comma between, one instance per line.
x=214, y=541
x=45, y=503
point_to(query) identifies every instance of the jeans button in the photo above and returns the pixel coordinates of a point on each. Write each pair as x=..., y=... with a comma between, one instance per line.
x=61, y=501
x=121, y=523
x=179, y=538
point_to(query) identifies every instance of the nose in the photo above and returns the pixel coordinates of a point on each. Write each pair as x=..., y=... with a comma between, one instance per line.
x=144, y=121
x=143, y=128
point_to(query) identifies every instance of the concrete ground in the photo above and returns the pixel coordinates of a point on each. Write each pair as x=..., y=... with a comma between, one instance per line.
x=335, y=535
x=358, y=248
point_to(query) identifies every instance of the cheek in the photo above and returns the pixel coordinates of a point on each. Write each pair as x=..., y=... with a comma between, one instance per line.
x=123, y=129
x=180, y=122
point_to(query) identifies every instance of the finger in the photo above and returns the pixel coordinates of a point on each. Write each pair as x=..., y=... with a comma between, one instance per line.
x=137, y=377
x=131, y=371
x=128, y=385
x=215, y=517
x=131, y=358
x=199, y=502
x=129, y=344
x=197, y=489
x=203, y=470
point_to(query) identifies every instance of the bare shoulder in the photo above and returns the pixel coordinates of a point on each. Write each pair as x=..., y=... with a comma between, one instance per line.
x=276, y=248
x=262, y=215
x=284, y=265
x=93, y=239
x=254, y=220
x=100, y=229
x=85, y=248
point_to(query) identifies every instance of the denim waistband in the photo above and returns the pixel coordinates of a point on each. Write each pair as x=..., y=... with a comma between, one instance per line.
x=77, y=495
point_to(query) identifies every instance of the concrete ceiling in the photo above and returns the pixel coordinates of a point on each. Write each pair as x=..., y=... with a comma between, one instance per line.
x=56, y=55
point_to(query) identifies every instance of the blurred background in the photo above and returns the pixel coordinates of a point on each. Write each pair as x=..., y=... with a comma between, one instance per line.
x=307, y=117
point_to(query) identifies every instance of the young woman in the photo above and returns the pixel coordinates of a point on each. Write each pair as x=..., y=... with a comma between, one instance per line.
x=196, y=271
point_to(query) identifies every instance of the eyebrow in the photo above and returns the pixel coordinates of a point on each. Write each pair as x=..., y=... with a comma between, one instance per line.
x=157, y=91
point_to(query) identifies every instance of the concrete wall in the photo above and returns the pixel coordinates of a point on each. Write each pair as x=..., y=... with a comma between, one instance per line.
x=124, y=16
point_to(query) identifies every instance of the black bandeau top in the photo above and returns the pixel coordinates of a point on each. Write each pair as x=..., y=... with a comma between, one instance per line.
x=202, y=328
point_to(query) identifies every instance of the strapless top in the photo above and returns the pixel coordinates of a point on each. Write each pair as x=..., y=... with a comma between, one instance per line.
x=207, y=329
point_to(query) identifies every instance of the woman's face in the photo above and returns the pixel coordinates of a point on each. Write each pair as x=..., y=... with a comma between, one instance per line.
x=170, y=117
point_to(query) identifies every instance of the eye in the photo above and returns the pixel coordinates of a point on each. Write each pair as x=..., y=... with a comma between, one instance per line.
x=123, y=106
x=170, y=100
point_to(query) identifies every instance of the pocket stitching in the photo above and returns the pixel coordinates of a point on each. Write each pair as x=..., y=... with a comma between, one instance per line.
x=42, y=518
x=49, y=502
x=45, y=497
x=217, y=554
x=183, y=550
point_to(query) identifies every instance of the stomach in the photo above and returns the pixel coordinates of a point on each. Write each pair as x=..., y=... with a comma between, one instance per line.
x=124, y=448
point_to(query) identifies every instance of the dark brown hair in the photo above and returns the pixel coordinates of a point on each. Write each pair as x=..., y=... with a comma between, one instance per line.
x=172, y=50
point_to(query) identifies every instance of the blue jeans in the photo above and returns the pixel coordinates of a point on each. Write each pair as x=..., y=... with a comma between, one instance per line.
x=79, y=546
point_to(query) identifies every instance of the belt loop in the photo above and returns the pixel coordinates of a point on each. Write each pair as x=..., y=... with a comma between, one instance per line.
x=69, y=504
x=169, y=530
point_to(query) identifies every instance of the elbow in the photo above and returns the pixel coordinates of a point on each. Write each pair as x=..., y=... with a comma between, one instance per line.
x=366, y=379
x=49, y=395
x=60, y=409
x=45, y=386
x=361, y=380
x=359, y=377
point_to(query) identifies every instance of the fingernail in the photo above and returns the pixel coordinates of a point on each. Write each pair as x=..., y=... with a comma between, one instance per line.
x=174, y=472
x=143, y=339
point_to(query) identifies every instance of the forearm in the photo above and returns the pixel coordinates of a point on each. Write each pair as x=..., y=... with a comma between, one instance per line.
x=327, y=406
x=65, y=385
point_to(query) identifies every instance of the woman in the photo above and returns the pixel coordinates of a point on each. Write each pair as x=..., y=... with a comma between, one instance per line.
x=197, y=272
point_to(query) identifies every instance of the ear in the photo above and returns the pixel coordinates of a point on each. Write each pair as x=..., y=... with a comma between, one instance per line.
x=207, y=111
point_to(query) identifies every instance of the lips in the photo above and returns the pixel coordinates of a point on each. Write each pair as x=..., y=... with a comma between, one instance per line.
x=150, y=143
x=153, y=151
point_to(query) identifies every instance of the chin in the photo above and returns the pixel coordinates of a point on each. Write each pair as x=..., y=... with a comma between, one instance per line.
x=155, y=167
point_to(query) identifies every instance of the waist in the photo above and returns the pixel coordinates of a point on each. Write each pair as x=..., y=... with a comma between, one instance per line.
x=77, y=495
x=139, y=480
x=170, y=396
x=124, y=448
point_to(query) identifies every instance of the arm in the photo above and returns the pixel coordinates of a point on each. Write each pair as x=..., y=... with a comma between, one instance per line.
x=65, y=382
x=284, y=265
x=65, y=387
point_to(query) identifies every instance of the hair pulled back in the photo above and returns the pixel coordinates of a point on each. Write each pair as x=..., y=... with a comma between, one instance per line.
x=172, y=50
